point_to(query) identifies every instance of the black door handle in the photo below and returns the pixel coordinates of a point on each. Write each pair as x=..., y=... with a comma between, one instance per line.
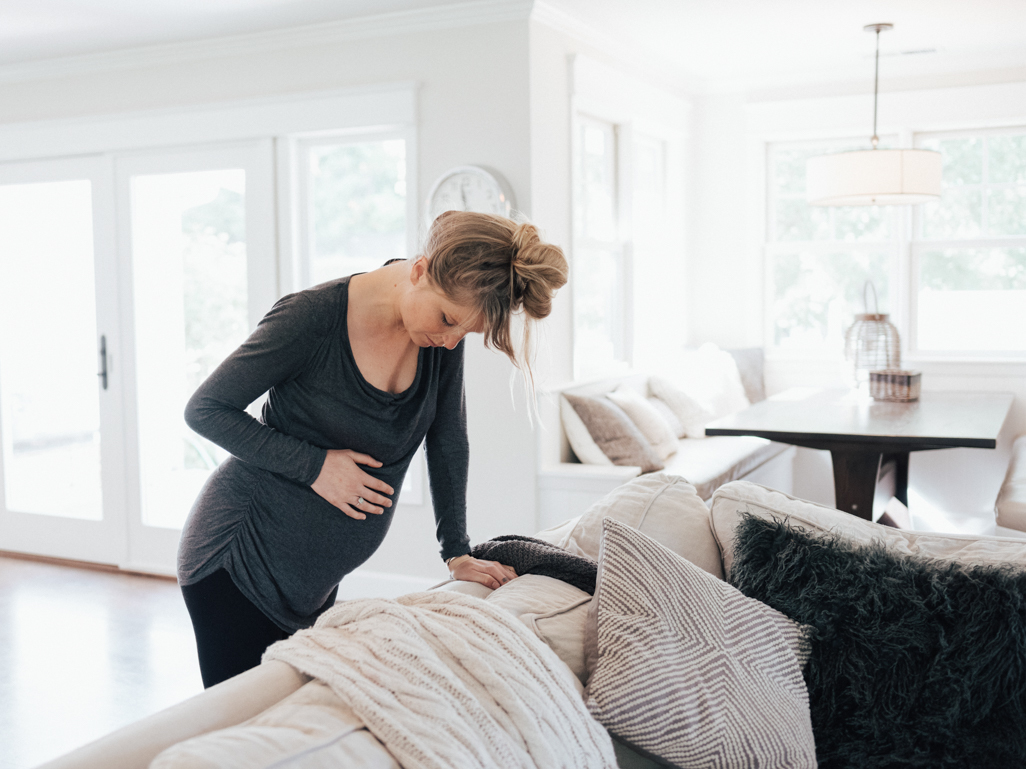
x=102, y=373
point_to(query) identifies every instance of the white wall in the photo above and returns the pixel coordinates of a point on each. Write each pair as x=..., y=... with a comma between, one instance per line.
x=725, y=293
x=473, y=108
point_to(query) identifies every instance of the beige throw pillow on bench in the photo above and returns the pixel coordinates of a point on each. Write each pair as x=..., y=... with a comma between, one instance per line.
x=615, y=433
x=647, y=419
x=692, y=415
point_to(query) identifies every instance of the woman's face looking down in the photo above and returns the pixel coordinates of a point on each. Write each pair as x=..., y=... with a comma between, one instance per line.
x=431, y=318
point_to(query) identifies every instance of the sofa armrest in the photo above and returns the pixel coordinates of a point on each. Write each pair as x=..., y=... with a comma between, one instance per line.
x=229, y=703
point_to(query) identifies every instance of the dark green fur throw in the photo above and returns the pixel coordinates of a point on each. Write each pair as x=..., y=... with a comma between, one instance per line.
x=915, y=662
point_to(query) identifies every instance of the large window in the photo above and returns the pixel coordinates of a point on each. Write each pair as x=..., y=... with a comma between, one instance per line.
x=969, y=257
x=965, y=283
x=355, y=205
x=621, y=233
x=819, y=259
x=601, y=282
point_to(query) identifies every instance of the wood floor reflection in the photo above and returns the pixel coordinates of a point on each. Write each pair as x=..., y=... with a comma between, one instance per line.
x=83, y=652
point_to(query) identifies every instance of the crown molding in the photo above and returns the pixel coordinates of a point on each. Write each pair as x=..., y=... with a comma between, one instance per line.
x=450, y=16
x=625, y=52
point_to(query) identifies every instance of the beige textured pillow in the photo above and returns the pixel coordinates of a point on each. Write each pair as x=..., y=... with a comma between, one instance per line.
x=615, y=433
x=647, y=419
x=662, y=506
x=688, y=669
x=692, y=414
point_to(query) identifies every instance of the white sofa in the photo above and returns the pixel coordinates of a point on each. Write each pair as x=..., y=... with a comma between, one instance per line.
x=567, y=486
x=660, y=505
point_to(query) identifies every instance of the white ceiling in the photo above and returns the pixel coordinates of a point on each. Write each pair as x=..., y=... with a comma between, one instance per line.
x=710, y=45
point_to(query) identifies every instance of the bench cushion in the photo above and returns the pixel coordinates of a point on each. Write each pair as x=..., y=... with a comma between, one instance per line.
x=713, y=461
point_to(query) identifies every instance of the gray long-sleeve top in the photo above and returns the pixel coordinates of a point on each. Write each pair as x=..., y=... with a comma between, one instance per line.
x=285, y=547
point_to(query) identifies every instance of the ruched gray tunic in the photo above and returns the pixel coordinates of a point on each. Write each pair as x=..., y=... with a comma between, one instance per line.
x=285, y=547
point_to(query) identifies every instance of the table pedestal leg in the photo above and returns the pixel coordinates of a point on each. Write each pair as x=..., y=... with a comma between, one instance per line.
x=901, y=479
x=855, y=474
x=900, y=460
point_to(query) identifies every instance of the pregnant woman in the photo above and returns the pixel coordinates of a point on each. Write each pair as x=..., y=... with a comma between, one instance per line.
x=358, y=372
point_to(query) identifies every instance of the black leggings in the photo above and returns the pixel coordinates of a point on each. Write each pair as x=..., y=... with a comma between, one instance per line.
x=231, y=632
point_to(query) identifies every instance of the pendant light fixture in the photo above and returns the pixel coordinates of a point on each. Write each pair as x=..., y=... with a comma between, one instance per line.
x=875, y=177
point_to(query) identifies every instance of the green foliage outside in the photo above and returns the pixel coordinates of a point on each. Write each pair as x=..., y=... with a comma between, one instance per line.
x=983, y=269
x=358, y=193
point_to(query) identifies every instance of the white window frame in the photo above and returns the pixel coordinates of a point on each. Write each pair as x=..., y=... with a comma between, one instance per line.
x=918, y=245
x=620, y=246
x=630, y=106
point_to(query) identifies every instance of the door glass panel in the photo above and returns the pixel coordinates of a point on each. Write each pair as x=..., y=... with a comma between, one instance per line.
x=49, y=391
x=357, y=202
x=189, y=272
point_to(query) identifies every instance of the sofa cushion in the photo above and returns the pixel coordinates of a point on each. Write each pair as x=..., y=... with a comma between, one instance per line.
x=662, y=506
x=311, y=728
x=615, y=433
x=689, y=670
x=731, y=501
x=555, y=611
x=719, y=459
x=915, y=661
x=647, y=419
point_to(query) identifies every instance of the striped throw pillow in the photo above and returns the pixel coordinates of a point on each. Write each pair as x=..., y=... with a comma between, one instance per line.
x=687, y=670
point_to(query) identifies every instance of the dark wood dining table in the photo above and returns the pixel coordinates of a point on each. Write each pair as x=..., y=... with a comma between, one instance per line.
x=861, y=434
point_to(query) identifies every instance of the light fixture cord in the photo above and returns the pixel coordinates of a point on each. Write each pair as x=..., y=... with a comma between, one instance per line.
x=876, y=87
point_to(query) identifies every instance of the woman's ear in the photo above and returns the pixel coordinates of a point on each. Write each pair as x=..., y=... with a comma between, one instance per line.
x=419, y=269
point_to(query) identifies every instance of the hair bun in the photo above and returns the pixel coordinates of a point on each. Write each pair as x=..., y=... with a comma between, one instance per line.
x=537, y=271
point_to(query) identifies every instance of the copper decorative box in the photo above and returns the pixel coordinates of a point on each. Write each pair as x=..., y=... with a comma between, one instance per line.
x=894, y=385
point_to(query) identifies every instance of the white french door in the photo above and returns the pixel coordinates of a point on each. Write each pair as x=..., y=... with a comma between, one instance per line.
x=142, y=271
x=196, y=237
x=61, y=425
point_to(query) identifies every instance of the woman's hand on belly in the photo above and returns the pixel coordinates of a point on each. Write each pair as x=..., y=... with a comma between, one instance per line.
x=350, y=489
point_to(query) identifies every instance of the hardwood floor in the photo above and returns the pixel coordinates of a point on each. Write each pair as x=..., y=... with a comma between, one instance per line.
x=83, y=652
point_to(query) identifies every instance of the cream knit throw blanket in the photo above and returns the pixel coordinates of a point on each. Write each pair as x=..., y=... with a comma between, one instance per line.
x=447, y=681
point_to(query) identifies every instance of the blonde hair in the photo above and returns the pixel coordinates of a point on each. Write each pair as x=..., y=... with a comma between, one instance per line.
x=499, y=266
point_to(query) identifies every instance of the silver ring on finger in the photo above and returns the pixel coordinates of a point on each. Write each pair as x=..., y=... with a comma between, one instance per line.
x=359, y=501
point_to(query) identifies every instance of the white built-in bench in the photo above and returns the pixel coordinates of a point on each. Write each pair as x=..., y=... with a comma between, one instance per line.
x=567, y=488
x=1011, y=501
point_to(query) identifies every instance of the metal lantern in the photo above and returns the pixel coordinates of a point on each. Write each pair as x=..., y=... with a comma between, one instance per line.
x=872, y=343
